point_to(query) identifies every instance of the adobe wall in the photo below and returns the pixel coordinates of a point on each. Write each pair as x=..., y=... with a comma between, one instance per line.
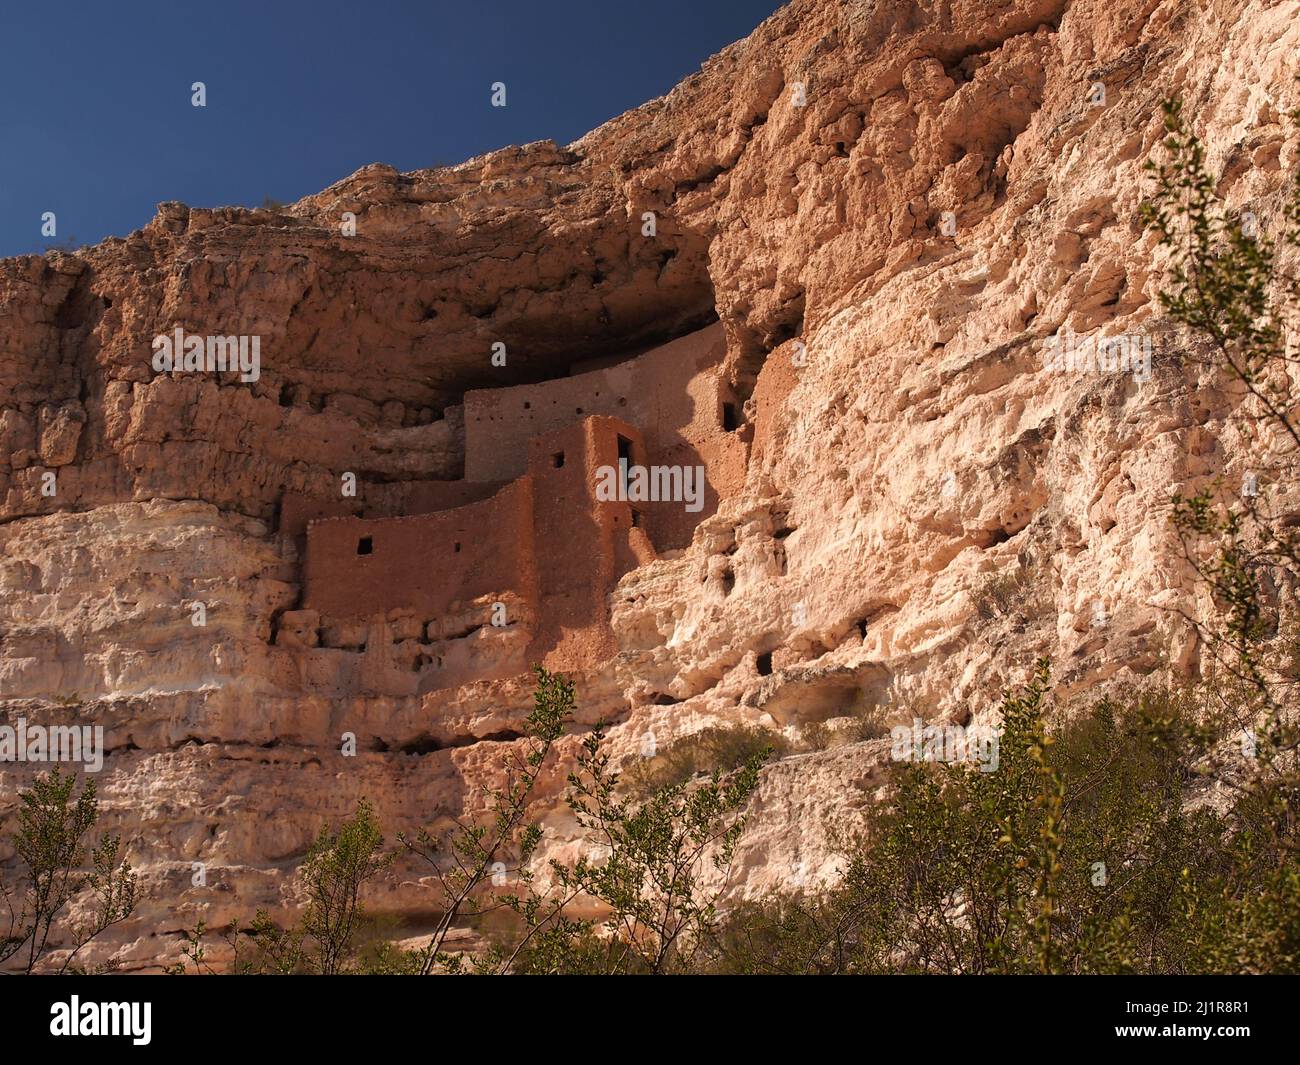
x=673, y=393
x=423, y=563
x=381, y=501
x=581, y=542
x=429, y=497
x=298, y=510
x=544, y=537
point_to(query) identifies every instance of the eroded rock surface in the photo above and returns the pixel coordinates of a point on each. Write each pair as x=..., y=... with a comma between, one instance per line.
x=915, y=507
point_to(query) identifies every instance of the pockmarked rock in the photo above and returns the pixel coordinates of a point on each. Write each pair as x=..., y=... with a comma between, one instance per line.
x=875, y=272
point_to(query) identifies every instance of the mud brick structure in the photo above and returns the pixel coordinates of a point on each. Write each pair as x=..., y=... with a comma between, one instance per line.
x=523, y=535
x=673, y=393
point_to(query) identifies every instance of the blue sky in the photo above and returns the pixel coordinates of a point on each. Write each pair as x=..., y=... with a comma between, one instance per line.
x=96, y=123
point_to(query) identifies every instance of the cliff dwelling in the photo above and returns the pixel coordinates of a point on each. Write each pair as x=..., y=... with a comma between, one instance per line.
x=880, y=279
x=519, y=550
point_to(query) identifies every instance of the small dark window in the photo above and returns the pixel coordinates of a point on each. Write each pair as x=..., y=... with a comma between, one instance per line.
x=456, y=547
x=366, y=546
x=577, y=410
x=764, y=664
x=527, y=405
x=730, y=417
x=557, y=460
x=624, y=460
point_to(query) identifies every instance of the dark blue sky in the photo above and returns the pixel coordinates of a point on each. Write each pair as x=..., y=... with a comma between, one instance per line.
x=96, y=123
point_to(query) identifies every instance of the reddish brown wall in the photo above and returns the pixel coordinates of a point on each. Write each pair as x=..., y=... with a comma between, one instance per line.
x=428, y=497
x=672, y=393
x=414, y=563
x=578, y=540
x=544, y=537
x=296, y=510
x=382, y=501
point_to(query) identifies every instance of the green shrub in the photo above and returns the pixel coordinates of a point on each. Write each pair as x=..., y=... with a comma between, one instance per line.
x=1080, y=853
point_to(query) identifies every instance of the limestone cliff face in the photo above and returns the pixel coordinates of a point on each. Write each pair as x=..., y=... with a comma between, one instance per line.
x=891, y=207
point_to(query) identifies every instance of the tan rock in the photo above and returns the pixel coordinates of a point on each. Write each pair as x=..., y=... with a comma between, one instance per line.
x=888, y=262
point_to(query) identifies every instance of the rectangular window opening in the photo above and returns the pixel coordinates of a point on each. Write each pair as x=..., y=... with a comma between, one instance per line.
x=624, y=460
x=366, y=546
